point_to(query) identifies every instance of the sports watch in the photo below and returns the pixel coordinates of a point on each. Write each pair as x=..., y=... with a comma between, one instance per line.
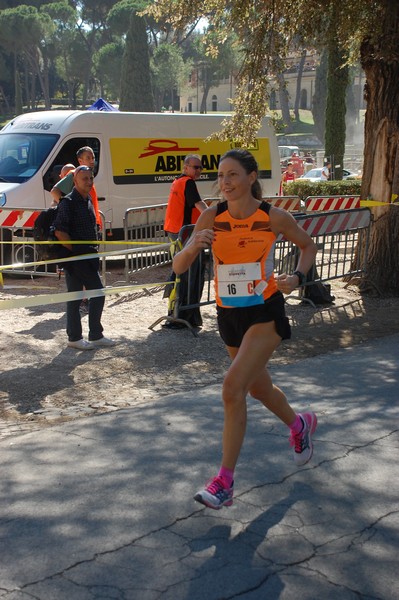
x=301, y=277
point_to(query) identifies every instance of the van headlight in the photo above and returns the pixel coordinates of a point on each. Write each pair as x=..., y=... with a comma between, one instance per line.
x=3, y=199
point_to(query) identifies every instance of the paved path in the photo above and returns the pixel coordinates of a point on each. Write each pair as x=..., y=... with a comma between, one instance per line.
x=101, y=508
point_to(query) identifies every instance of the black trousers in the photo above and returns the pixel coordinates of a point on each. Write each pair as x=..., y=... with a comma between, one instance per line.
x=79, y=275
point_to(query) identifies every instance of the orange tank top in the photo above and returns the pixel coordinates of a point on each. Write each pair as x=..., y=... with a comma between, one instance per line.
x=243, y=252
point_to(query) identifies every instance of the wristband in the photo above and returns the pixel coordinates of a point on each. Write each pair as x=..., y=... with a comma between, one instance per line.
x=301, y=277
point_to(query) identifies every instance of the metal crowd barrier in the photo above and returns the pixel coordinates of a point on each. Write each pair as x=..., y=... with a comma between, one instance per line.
x=140, y=224
x=203, y=269
x=145, y=224
x=17, y=244
x=16, y=241
x=336, y=234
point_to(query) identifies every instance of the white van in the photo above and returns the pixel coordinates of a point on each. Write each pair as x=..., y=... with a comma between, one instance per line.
x=137, y=156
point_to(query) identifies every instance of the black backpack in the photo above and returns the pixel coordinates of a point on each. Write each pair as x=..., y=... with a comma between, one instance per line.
x=43, y=231
x=319, y=293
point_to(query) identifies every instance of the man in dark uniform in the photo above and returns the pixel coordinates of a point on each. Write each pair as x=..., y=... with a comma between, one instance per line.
x=76, y=220
x=184, y=207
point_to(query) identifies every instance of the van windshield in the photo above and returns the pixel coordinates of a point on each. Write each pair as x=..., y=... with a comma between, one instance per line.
x=22, y=154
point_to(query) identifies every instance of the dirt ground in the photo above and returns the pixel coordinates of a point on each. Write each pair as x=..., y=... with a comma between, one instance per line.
x=43, y=382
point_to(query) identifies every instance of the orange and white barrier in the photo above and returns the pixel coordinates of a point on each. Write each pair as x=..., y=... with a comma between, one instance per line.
x=289, y=203
x=18, y=218
x=314, y=203
x=334, y=222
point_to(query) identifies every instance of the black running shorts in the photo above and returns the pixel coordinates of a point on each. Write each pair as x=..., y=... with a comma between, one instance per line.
x=234, y=322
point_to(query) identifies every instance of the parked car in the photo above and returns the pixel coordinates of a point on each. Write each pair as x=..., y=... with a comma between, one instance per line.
x=315, y=174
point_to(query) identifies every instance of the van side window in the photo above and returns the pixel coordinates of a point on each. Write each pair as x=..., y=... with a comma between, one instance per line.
x=67, y=154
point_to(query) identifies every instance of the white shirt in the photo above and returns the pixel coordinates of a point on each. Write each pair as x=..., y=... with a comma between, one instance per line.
x=325, y=172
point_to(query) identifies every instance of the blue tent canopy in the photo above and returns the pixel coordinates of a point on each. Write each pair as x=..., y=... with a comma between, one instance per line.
x=101, y=104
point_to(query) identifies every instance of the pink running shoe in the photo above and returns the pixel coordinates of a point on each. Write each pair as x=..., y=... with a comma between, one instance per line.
x=302, y=442
x=215, y=495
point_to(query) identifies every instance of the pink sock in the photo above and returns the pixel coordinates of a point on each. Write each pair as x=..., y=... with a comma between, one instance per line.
x=227, y=476
x=297, y=425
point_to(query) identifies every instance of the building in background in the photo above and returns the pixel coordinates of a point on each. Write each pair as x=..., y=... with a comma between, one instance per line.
x=218, y=97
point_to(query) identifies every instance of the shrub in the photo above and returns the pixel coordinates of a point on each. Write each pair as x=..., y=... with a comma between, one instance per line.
x=303, y=189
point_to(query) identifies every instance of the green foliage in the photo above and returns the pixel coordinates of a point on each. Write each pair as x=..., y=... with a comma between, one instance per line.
x=337, y=82
x=303, y=189
x=61, y=13
x=107, y=63
x=169, y=71
x=136, y=91
x=24, y=27
x=118, y=18
x=265, y=31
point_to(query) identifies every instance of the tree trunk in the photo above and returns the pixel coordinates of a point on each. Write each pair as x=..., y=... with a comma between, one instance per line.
x=337, y=83
x=380, y=179
x=299, y=85
x=320, y=97
x=205, y=92
x=284, y=104
x=46, y=83
x=18, y=93
x=35, y=59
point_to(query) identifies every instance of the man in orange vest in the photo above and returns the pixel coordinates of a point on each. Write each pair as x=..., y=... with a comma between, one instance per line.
x=184, y=207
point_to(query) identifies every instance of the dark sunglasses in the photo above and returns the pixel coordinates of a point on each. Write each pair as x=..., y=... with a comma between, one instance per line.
x=83, y=168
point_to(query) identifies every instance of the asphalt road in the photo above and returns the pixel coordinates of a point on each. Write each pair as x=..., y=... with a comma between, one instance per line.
x=102, y=507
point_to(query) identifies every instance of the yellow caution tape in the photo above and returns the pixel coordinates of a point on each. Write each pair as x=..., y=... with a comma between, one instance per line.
x=394, y=200
x=57, y=261
x=91, y=242
x=46, y=299
x=373, y=203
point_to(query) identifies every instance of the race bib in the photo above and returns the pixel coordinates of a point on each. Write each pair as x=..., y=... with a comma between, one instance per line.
x=241, y=284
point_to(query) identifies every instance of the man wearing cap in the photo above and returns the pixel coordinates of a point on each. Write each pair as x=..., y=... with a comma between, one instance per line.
x=76, y=220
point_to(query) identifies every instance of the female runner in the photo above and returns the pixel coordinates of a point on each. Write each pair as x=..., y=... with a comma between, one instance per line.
x=242, y=230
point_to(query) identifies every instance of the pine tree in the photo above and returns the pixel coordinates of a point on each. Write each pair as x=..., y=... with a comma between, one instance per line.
x=136, y=92
x=337, y=83
x=320, y=97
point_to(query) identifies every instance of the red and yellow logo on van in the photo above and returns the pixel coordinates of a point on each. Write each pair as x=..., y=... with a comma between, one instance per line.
x=160, y=146
x=141, y=160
